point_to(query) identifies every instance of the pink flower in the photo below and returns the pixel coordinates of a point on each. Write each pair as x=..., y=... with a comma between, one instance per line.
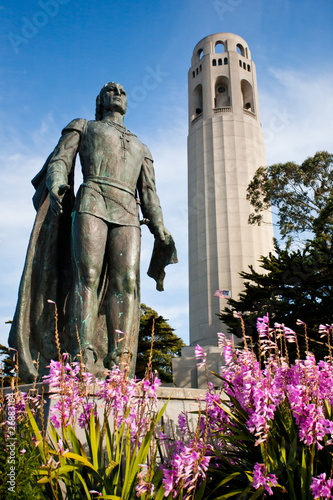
x=261, y=478
x=200, y=354
x=263, y=326
x=320, y=487
x=289, y=334
x=226, y=346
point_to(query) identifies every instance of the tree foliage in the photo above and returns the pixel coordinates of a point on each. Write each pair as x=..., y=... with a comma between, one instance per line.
x=302, y=195
x=293, y=285
x=166, y=344
x=8, y=368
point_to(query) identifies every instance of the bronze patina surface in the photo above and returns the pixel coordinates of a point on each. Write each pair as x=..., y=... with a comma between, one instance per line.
x=84, y=251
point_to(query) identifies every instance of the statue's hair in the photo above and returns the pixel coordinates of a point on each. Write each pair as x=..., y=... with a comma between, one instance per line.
x=99, y=101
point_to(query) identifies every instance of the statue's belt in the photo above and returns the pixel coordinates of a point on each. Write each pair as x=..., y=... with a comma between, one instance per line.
x=109, y=181
x=108, y=197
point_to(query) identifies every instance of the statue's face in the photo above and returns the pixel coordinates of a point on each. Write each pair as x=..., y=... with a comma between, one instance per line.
x=114, y=98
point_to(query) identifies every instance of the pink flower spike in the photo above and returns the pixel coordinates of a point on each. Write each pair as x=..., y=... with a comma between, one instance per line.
x=200, y=354
x=320, y=487
x=120, y=332
x=237, y=315
x=263, y=326
x=299, y=322
x=221, y=340
x=51, y=301
x=261, y=478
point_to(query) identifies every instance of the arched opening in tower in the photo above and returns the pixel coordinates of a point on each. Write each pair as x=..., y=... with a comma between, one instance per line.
x=247, y=95
x=240, y=49
x=196, y=102
x=222, y=96
x=219, y=47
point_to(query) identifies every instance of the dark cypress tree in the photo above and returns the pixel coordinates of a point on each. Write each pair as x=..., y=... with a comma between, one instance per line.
x=294, y=285
x=166, y=344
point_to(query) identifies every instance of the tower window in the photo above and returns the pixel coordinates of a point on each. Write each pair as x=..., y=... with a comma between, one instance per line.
x=199, y=54
x=193, y=74
x=196, y=107
x=247, y=95
x=200, y=67
x=220, y=62
x=240, y=63
x=219, y=47
x=222, y=98
x=214, y=62
x=225, y=60
x=244, y=65
x=197, y=71
x=240, y=49
x=248, y=67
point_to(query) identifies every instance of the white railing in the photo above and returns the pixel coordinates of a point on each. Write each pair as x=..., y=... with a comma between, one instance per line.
x=250, y=113
x=225, y=109
x=195, y=119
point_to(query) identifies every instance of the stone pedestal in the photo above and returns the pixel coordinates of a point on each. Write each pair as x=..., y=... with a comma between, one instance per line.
x=180, y=400
x=187, y=374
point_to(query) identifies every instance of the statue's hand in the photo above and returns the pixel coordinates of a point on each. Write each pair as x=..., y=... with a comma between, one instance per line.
x=162, y=233
x=56, y=196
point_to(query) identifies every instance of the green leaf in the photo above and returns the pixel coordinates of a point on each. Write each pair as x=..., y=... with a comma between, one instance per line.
x=111, y=497
x=37, y=432
x=160, y=494
x=82, y=460
x=199, y=494
x=228, y=495
x=227, y=479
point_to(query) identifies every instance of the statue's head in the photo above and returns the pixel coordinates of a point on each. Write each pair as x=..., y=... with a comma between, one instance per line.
x=112, y=97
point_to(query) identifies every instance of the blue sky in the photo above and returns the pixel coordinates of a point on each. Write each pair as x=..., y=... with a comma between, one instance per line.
x=57, y=54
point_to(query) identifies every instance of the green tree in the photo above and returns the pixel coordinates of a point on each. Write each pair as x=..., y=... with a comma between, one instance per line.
x=166, y=345
x=8, y=369
x=293, y=285
x=302, y=195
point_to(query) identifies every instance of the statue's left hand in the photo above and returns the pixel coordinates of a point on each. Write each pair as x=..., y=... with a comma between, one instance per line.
x=162, y=233
x=56, y=196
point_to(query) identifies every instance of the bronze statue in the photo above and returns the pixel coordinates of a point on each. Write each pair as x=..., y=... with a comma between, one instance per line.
x=84, y=252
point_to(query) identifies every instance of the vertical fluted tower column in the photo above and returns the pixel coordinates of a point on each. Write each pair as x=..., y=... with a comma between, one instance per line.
x=225, y=147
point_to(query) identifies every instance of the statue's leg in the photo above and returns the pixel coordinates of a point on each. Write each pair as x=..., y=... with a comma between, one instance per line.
x=123, y=247
x=89, y=236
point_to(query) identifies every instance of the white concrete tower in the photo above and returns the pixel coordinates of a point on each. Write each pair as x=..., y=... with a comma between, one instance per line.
x=225, y=147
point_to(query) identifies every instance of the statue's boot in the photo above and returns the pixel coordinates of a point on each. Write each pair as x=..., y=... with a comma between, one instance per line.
x=118, y=357
x=91, y=362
